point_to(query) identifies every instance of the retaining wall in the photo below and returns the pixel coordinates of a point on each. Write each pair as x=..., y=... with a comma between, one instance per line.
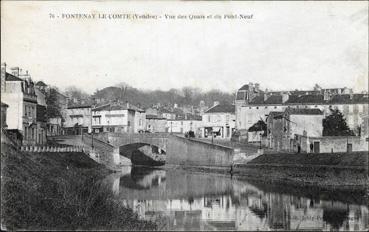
x=190, y=152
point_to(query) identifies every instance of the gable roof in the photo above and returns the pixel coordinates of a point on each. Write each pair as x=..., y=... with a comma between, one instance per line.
x=274, y=99
x=304, y=111
x=275, y=114
x=245, y=87
x=110, y=107
x=222, y=108
x=297, y=99
x=41, y=83
x=11, y=77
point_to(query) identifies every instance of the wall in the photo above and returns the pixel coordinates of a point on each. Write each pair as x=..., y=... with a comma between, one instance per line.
x=139, y=121
x=183, y=126
x=189, y=152
x=156, y=125
x=247, y=115
x=312, y=124
x=252, y=113
x=335, y=143
x=219, y=120
x=13, y=97
x=82, y=116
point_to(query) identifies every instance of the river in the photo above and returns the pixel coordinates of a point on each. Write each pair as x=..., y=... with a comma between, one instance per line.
x=187, y=200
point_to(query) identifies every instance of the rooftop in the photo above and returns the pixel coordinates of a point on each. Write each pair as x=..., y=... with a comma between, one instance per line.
x=11, y=77
x=110, y=107
x=151, y=116
x=41, y=83
x=304, y=111
x=222, y=108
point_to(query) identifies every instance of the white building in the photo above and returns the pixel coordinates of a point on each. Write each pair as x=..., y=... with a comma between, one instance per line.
x=182, y=126
x=219, y=120
x=18, y=93
x=118, y=118
x=253, y=104
x=77, y=119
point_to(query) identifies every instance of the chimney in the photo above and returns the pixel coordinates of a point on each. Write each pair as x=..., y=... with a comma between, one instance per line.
x=265, y=96
x=285, y=97
x=15, y=71
x=257, y=86
x=251, y=86
x=215, y=103
x=326, y=96
x=127, y=104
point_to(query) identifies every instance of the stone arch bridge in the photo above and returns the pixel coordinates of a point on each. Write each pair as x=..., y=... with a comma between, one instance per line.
x=177, y=150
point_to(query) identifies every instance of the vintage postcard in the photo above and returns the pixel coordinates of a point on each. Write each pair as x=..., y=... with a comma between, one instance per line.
x=184, y=115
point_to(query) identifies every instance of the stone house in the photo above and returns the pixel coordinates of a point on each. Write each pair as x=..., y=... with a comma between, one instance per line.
x=283, y=128
x=218, y=121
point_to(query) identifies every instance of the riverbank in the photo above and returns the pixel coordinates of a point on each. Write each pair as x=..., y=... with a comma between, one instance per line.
x=340, y=170
x=59, y=191
x=337, y=171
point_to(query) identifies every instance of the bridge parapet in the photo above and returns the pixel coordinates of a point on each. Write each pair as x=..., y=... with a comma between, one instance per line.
x=120, y=139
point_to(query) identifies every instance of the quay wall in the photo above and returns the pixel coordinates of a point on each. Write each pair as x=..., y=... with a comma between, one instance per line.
x=190, y=152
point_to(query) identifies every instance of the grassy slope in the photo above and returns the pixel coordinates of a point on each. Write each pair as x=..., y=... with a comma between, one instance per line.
x=59, y=191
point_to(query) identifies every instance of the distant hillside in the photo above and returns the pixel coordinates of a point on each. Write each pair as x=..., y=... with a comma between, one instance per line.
x=185, y=96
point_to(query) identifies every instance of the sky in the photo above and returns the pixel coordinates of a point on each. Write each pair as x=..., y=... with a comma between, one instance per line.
x=284, y=46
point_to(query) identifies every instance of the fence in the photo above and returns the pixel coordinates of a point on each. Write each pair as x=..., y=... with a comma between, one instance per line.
x=55, y=149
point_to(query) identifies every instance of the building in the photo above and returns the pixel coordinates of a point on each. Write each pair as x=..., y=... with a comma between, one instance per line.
x=165, y=113
x=283, y=128
x=183, y=126
x=55, y=122
x=18, y=92
x=253, y=104
x=118, y=118
x=155, y=123
x=218, y=121
x=77, y=119
x=4, y=108
x=41, y=118
x=332, y=144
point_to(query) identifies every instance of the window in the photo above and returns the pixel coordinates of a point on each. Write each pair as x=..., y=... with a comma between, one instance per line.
x=257, y=107
x=249, y=107
x=266, y=107
x=275, y=107
x=208, y=118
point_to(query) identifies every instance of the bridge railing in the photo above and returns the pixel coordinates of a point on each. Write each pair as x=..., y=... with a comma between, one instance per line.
x=32, y=148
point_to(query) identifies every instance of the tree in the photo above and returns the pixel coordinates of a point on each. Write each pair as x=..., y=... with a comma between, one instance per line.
x=53, y=108
x=335, y=125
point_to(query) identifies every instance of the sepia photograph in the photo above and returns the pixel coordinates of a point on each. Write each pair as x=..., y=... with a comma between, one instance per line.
x=184, y=115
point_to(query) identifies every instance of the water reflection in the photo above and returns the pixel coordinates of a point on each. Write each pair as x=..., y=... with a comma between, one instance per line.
x=196, y=201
